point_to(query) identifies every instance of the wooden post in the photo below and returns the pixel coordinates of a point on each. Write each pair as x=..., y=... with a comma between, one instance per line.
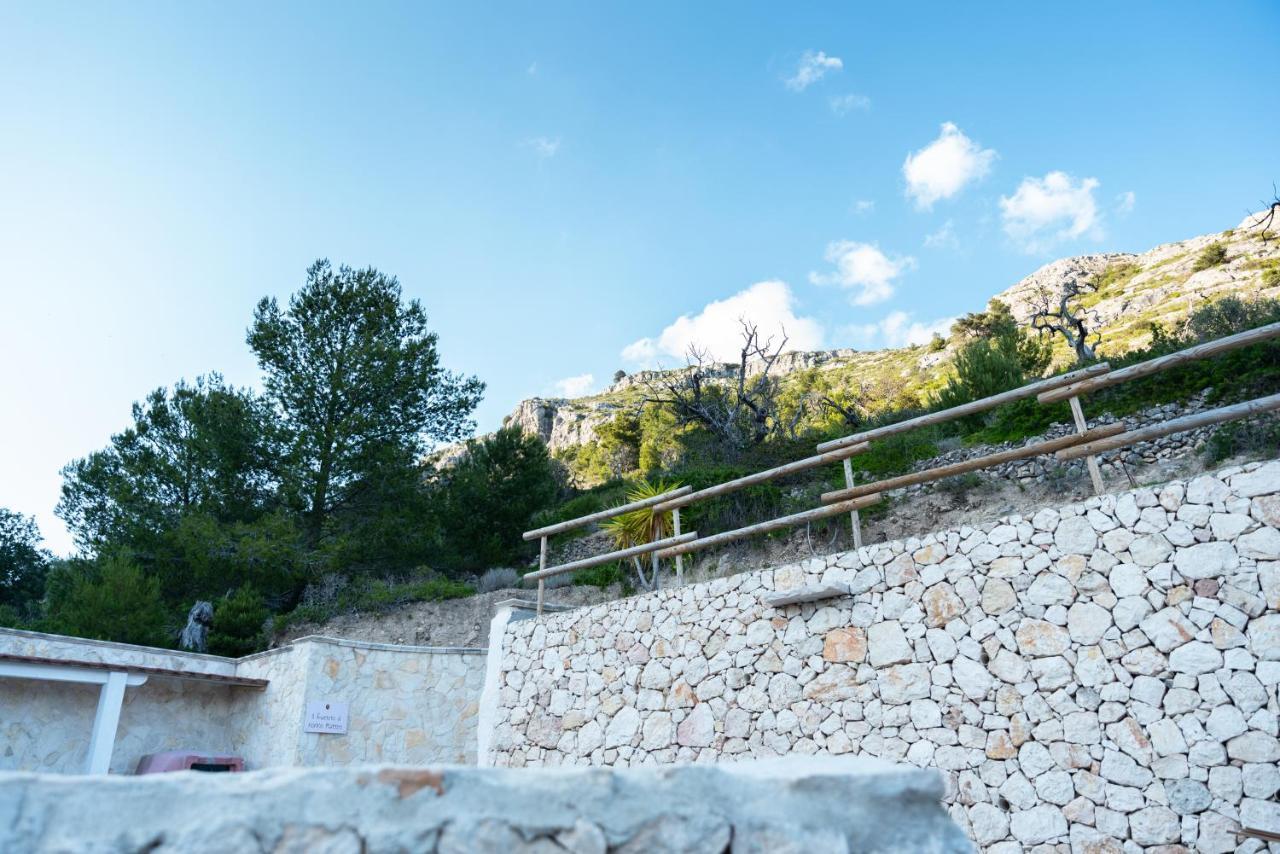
x=675, y=521
x=542, y=564
x=853, y=514
x=1082, y=427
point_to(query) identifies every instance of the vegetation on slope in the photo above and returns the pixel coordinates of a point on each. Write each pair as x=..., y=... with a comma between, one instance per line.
x=312, y=498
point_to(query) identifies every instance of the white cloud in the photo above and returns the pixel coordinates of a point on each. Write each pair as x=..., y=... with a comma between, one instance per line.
x=543, y=146
x=943, y=238
x=1049, y=210
x=1125, y=202
x=813, y=66
x=717, y=328
x=575, y=386
x=943, y=167
x=842, y=105
x=897, y=329
x=864, y=206
x=862, y=266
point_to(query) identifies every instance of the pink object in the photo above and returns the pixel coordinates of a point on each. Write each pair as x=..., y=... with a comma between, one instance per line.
x=185, y=760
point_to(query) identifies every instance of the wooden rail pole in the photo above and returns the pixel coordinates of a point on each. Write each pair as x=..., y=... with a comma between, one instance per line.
x=1234, y=412
x=853, y=514
x=1082, y=427
x=1033, y=450
x=675, y=521
x=542, y=564
x=1152, y=366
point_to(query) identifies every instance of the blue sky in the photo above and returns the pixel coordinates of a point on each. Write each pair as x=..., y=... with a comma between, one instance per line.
x=561, y=184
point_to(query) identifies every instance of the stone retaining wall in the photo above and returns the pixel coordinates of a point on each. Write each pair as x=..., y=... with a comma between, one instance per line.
x=1104, y=674
x=829, y=807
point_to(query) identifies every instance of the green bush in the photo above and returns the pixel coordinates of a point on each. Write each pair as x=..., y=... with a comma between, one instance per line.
x=1257, y=437
x=239, y=623
x=1211, y=256
x=894, y=455
x=111, y=600
x=602, y=576
x=990, y=365
x=1230, y=315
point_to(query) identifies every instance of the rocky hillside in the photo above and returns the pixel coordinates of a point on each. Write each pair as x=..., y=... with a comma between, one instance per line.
x=1159, y=285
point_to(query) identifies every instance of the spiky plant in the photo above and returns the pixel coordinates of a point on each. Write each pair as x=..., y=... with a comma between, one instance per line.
x=637, y=527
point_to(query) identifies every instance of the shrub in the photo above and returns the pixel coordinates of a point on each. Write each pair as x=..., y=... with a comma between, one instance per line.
x=438, y=590
x=1255, y=437
x=239, y=624
x=894, y=455
x=601, y=576
x=1211, y=256
x=113, y=600
x=1230, y=315
x=959, y=486
x=990, y=365
x=497, y=579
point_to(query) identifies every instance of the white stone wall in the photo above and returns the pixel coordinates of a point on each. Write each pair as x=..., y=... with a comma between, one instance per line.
x=1103, y=675
x=412, y=705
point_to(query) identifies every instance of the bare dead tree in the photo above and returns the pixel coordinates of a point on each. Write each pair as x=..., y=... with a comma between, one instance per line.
x=1067, y=318
x=1268, y=217
x=741, y=409
x=849, y=408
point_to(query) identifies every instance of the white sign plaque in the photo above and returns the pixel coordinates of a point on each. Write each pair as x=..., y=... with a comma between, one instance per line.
x=327, y=716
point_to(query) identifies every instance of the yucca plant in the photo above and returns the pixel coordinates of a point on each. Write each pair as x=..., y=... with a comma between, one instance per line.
x=637, y=527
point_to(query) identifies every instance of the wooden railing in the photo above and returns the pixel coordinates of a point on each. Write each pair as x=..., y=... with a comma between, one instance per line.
x=544, y=534
x=1085, y=442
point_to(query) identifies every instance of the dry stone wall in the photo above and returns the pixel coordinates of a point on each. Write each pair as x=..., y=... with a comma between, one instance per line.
x=1102, y=675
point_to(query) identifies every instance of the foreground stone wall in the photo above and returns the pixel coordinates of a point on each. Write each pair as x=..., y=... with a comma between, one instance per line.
x=407, y=704
x=1104, y=674
x=814, y=807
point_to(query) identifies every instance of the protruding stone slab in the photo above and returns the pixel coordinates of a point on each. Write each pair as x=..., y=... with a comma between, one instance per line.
x=797, y=804
x=800, y=595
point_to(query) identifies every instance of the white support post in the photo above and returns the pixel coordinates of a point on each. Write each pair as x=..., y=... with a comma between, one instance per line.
x=542, y=564
x=853, y=514
x=105, y=722
x=675, y=521
x=1082, y=426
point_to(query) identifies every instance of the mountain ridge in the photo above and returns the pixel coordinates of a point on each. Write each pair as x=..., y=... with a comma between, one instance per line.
x=1138, y=289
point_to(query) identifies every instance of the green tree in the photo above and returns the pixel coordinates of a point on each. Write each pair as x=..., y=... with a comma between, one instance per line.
x=205, y=448
x=112, y=599
x=491, y=495
x=352, y=369
x=989, y=365
x=23, y=565
x=996, y=320
x=239, y=623
x=202, y=558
